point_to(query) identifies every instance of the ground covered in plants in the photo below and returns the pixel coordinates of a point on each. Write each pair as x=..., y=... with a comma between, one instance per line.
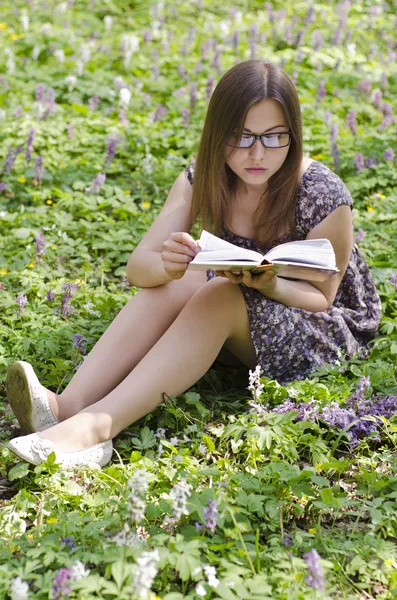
x=225, y=492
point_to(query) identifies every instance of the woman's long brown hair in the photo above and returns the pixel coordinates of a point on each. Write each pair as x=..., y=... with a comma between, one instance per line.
x=239, y=88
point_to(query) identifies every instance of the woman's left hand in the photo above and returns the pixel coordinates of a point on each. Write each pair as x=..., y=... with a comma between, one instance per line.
x=263, y=282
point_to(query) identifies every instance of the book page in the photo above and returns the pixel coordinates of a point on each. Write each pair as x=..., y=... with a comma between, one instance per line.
x=316, y=252
x=221, y=249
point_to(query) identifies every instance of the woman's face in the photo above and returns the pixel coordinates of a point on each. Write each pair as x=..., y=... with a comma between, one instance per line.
x=266, y=116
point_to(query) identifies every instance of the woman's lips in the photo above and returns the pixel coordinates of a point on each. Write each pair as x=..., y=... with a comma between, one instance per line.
x=256, y=170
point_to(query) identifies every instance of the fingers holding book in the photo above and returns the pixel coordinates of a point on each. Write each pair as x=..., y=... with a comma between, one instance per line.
x=263, y=282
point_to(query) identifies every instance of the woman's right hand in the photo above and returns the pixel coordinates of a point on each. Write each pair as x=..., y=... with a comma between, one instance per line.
x=177, y=252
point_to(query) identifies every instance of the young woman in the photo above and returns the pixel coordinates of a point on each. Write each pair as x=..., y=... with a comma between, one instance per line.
x=251, y=185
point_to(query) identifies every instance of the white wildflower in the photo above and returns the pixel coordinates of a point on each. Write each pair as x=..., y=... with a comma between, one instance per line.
x=3, y=114
x=10, y=62
x=202, y=449
x=36, y=52
x=200, y=590
x=210, y=571
x=179, y=494
x=19, y=589
x=224, y=28
x=79, y=571
x=126, y=537
x=108, y=20
x=130, y=43
x=160, y=433
x=258, y=407
x=145, y=572
x=138, y=484
x=79, y=67
x=174, y=441
x=125, y=97
x=71, y=81
x=60, y=55
x=46, y=29
x=25, y=21
x=89, y=308
x=61, y=8
x=255, y=385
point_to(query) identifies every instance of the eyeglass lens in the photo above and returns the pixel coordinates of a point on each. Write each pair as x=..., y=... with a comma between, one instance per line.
x=273, y=140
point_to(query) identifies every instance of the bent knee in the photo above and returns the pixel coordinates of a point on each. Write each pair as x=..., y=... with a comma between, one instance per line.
x=219, y=289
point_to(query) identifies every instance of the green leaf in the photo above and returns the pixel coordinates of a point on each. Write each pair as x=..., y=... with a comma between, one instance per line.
x=19, y=471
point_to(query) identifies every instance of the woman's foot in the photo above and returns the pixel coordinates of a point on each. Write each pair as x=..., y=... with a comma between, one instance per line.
x=35, y=450
x=83, y=430
x=34, y=406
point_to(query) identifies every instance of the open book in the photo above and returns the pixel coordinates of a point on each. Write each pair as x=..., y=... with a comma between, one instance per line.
x=312, y=260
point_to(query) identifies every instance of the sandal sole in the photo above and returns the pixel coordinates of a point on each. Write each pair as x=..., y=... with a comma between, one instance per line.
x=19, y=396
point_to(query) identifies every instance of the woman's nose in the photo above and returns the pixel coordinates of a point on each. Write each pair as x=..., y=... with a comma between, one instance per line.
x=257, y=149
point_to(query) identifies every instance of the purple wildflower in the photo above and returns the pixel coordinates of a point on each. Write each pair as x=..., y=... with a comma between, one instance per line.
x=388, y=120
x=193, y=95
x=10, y=159
x=61, y=585
x=393, y=280
x=388, y=154
x=185, y=116
x=69, y=542
x=210, y=86
x=79, y=343
x=70, y=130
x=40, y=245
x=93, y=102
x=160, y=112
x=199, y=527
x=377, y=98
x=217, y=57
x=370, y=161
x=29, y=144
x=210, y=514
x=124, y=284
x=317, y=40
x=321, y=90
x=98, y=182
x=362, y=384
x=50, y=296
x=359, y=161
x=360, y=235
x=235, y=41
x=286, y=539
x=110, y=150
x=39, y=168
x=40, y=92
x=199, y=67
x=316, y=578
x=3, y=186
x=68, y=288
x=285, y=407
x=18, y=111
x=21, y=301
x=364, y=86
x=351, y=120
x=182, y=72
x=50, y=100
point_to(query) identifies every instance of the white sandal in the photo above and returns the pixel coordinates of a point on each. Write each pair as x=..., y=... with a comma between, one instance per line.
x=28, y=398
x=35, y=450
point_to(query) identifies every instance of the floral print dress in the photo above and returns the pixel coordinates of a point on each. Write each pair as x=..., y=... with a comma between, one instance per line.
x=291, y=342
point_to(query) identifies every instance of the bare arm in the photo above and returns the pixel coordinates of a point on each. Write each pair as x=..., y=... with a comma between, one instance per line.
x=145, y=267
x=317, y=296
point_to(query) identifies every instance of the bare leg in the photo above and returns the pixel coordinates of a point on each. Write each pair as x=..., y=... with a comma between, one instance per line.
x=214, y=315
x=136, y=328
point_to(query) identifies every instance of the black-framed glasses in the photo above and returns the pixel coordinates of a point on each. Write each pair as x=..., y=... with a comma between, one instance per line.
x=280, y=139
